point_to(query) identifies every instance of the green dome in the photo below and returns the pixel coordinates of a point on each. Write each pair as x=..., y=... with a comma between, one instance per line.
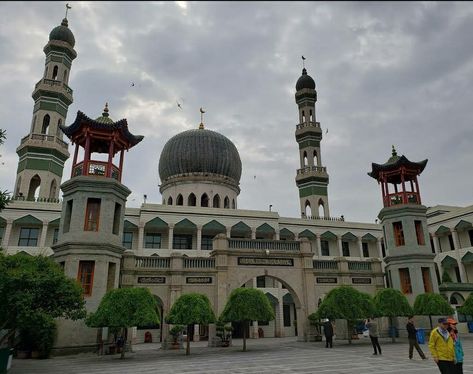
x=63, y=33
x=104, y=118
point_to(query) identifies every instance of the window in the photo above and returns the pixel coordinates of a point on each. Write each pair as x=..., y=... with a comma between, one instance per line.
x=398, y=234
x=116, y=219
x=55, y=235
x=92, y=215
x=226, y=203
x=191, y=201
x=182, y=242
x=216, y=203
x=366, y=251
x=180, y=200
x=457, y=274
x=260, y=282
x=324, y=249
x=286, y=309
x=419, y=232
x=127, y=241
x=346, y=249
x=28, y=237
x=204, y=201
x=207, y=243
x=152, y=240
x=427, y=280
x=55, y=70
x=170, y=200
x=85, y=276
x=46, y=119
x=405, y=279
x=432, y=247
x=67, y=218
x=450, y=241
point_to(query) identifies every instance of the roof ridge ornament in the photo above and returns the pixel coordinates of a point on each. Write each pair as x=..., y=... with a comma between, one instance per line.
x=105, y=110
x=201, y=125
x=65, y=17
x=394, y=153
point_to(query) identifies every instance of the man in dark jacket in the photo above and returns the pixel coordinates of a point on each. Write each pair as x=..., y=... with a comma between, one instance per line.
x=411, y=335
x=328, y=332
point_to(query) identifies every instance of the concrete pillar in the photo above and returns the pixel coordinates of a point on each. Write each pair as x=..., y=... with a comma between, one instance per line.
x=276, y=235
x=229, y=232
x=456, y=241
x=436, y=244
x=380, y=253
x=339, y=243
x=254, y=326
x=318, y=247
x=6, y=234
x=461, y=267
x=44, y=232
x=141, y=235
x=253, y=233
x=196, y=333
x=280, y=317
x=360, y=246
x=171, y=234
x=199, y=238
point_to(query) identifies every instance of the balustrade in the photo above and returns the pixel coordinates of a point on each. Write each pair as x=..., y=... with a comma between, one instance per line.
x=97, y=168
x=325, y=264
x=199, y=263
x=153, y=262
x=278, y=245
x=309, y=169
x=359, y=265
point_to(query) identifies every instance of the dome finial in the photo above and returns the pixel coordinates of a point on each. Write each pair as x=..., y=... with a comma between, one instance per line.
x=394, y=153
x=105, y=110
x=201, y=125
x=65, y=17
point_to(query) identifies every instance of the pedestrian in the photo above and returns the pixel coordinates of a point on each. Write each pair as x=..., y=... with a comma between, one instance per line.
x=373, y=331
x=412, y=336
x=328, y=332
x=442, y=348
x=452, y=327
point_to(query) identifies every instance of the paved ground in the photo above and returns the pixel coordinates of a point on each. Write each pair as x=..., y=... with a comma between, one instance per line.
x=264, y=356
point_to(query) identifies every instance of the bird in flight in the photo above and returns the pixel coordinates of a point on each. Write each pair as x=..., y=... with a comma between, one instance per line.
x=178, y=104
x=326, y=131
x=132, y=84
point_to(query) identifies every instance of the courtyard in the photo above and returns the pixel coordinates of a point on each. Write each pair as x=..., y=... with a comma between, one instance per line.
x=264, y=356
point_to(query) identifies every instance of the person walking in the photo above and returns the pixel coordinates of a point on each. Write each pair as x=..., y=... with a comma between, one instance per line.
x=412, y=337
x=458, y=365
x=442, y=348
x=328, y=332
x=374, y=335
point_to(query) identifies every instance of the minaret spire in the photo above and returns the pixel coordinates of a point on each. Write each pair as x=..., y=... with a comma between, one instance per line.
x=67, y=8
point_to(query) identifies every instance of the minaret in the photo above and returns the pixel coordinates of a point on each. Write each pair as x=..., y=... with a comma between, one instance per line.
x=312, y=178
x=89, y=246
x=409, y=261
x=43, y=152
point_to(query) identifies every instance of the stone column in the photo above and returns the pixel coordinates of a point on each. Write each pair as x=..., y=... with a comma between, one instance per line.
x=380, y=252
x=170, y=238
x=44, y=233
x=141, y=235
x=229, y=232
x=461, y=267
x=276, y=235
x=339, y=243
x=199, y=238
x=436, y=244
x=360, y=246
x=253, y=233
x=6, y=234
x=254, y=326
x=318, y=249
x=456, y=241
x=281, y=317
x=196, y=333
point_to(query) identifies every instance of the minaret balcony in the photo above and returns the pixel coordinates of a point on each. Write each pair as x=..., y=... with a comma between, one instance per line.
x=398, y=198
x=53, y=85
x=96, y=168
x=312, y=169
x=43, y=140
x=301, y=126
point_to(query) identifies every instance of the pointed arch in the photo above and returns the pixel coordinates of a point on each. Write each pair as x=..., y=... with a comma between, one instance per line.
x=33, y=190
x=204, y=200
x=315, y=157
x=216, y=201
x=305, y=160
x=170, y=200
x=53, y=189
x=179, y=200
x=233, y=204
x=303, y=117
x=46, y=120
x=307, y=209
x=321, y=208
x=191, y=200
x=226, y=203
x=311, y=116
x=55, y=71
x=240, y=230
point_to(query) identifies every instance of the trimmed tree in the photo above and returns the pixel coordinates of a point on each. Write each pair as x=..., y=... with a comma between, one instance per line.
x=391, y=303
x=245, y=305
x=34, y=288
x=431, y=304
x=346, y=303
x=122, y=308
x=467, y=307
x=191, y=309
x=446, y=278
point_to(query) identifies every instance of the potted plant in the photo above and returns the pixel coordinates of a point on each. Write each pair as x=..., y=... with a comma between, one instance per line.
x=175, y=332
x=316, y=324
x=224, y=333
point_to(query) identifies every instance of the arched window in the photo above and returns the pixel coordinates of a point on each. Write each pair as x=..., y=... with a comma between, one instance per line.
x=216, y=203
x=311, y=116
x=33, y=191
x=315, y=158
x=179, y=200
x=305, y=159
x=170, y=200
x=58, y=130
x=204, y=201
x=65, y=76
x=233, y=204
x=53, y=189
x=191, y=201
x=226, y=203
x=55, y=70
x=308, y=209
x=46, y=119
x=321, y=209
x=303, y=117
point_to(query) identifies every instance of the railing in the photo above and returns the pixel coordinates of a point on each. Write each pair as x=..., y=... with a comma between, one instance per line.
x=45, y=138
x=359, y=265
x=97, y=168
x=309, y=169
x=341, y=218
x=397, y=198
x=36, y=199
x=278, y=245
x=199, y=263
x=54, y=82
x=153, y=262
x=308, y=124
x=325, y=264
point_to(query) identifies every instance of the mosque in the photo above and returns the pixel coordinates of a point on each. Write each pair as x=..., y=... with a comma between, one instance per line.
x=198, y=238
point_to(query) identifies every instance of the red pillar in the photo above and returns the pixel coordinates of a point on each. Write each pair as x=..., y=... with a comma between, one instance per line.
x=86, y=155
x=404, y=196
x=110, y=159
x=121, y=165
x=417, y=190
x=388, y=201
x=76, y=151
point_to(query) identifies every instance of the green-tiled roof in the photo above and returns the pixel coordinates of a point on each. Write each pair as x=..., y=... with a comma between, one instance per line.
x=265, y=228
x=369, y=238
x=214, y=226
x=442, y=230
x=449, y=261
x=463, y=225
x=27, y=220
x=156, y=223
x=307, y=234
x=185, y=224
x=328, y=235
x=348, y=236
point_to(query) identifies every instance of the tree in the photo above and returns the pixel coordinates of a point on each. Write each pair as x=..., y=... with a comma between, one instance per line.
x=35, y=287
x=431, y=304
x=446, y=277
x=467, y=307
x=347, y=303
x=191, y=309
x=4, y=195
x=125, y=307
x=391, y=303
x=245, y=305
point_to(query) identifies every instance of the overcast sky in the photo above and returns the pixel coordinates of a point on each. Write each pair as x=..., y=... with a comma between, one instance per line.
x=386, y=73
